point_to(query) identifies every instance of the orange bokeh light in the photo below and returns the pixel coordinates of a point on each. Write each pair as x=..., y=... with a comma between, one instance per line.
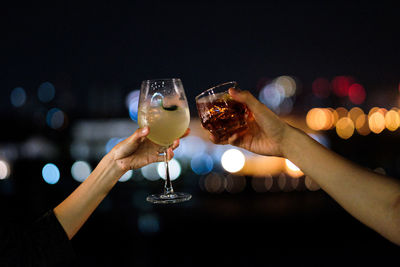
x=354, y=113
x=362, y=125
x=345, y=128
x=376, y=122
x=392, y=120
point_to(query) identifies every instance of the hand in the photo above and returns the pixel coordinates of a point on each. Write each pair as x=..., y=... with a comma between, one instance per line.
x=266, y=130
x=137, y=151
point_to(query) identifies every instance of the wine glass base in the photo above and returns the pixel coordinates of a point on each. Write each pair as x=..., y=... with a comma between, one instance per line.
x=168, y=198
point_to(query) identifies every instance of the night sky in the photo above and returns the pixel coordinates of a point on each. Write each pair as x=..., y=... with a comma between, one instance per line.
x=107, y=48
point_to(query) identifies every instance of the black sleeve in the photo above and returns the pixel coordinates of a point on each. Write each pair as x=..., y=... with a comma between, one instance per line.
x=43, y=243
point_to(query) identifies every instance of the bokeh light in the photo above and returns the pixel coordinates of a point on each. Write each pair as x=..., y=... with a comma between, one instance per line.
x=357, y=93
x=189, y=146
x=341, y=85
x=311, y=184
x=148, y=224
x=372, y=111
x=55, y=118
x=377, y=122
x=174, y=169
x=321, y=87
x=126, y=177
x=271, y=96
x=150, y=172
x=323, y=140
x=214, y=183
x=258, y=184
x=320, y=119
x=46, y=92
x=345, y=128
x=268, y=182
x=202, y=163
x=113, y=142
x=233, y=160
x=291, y=166
x=354, y=113
x=18, y=97
x=278, y=94
x=392, y=120
x=235, y=183
x=292, y=169
x=80, y=170
x=50, y=173
x=4, y=169
x=132, y=103
x=341, y=112
x=362, y=125
x=286, y=84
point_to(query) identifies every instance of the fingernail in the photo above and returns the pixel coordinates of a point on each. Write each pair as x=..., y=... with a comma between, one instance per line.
x=144, y=130
x=233, y=90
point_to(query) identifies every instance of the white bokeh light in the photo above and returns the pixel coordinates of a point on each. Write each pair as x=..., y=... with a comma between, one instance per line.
x=128, y=175
x=291, y=166
x=150, y=172
x=4, y=169
x=174, y=169
x=233, y=160
x=80, y=170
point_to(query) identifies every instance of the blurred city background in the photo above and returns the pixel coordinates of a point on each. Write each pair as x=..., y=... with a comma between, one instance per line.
x=70, y=79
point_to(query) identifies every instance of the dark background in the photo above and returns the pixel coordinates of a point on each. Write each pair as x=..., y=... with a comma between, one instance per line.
x=96, y=53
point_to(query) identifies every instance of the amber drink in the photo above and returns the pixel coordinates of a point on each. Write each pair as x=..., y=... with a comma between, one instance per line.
x=219, y=113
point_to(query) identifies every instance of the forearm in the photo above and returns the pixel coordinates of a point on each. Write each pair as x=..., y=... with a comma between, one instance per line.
x=371, y=198
x=77, y=207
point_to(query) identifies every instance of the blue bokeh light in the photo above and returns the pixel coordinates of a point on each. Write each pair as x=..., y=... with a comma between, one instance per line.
x=202, y=163
x=55, y=118
x=50, y=173
x=132, y=103
x=18, y=97
x=112, y=143
x=148, y=224
x=46, y=92
x=190, y=146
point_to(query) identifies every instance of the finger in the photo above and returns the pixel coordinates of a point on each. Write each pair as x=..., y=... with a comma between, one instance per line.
x=175, y=144
x=233, y=139
x=187, y=132
x=248, y=99
x=170, y=154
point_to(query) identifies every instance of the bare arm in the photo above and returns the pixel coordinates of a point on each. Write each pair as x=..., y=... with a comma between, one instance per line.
x=371, y=198
x=132, y=153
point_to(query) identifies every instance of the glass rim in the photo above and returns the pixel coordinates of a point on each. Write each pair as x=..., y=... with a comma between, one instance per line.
x=212, y=88
x=165, y=79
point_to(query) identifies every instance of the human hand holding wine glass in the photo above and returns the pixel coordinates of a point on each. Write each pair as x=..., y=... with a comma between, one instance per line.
x=164, y=109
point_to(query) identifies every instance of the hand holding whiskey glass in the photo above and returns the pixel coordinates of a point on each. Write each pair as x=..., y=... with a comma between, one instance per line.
x=219, y=113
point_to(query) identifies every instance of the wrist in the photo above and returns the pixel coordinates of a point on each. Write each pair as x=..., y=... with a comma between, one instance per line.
x=290, y=138
x=110, y=166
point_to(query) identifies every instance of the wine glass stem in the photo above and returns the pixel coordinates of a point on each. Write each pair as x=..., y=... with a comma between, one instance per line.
x=168, y=185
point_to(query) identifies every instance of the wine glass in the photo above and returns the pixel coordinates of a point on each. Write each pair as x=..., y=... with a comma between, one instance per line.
x=164, y=108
